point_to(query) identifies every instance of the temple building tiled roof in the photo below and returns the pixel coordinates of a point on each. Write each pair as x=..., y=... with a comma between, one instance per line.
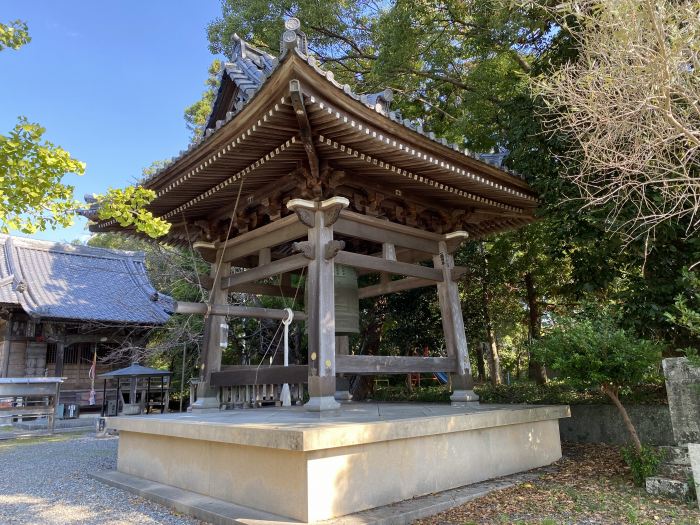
x=65, y=282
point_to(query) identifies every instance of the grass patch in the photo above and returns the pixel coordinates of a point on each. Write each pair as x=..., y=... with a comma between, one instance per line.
x=28, y=440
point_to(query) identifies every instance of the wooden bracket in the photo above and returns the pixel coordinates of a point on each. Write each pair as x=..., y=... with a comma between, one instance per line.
x=306, y=209
x=332, y=249
x=306, y=216
x=306, y=248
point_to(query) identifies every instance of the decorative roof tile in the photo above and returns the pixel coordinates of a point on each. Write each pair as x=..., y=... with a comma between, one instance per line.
x=62, y=281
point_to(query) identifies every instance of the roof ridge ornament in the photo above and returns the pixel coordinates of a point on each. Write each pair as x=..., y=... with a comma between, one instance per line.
x=293, y=38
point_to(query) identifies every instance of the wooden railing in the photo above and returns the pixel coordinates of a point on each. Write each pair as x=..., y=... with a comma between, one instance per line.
x=257, y=386
x=30, y=396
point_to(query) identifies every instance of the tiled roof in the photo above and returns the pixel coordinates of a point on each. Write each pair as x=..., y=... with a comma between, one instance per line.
x=62, y=281
x=250, y=67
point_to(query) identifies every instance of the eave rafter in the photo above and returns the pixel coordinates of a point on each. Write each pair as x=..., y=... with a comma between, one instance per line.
x=344, y=121
x=350, y=152
x=305, y=131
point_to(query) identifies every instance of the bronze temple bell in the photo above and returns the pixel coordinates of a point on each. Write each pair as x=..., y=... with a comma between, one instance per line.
x=347, y=301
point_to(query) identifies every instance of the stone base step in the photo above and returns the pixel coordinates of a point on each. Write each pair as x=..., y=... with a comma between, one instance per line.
x=675, y=455
x=668, y=488
x=674, y=471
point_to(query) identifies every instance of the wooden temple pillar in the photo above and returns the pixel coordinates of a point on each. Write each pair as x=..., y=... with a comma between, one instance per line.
x=453, y=328
x=210, y=358
x=320, y=249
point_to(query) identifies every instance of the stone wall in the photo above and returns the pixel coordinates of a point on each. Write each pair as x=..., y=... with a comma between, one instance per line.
x=603, y=424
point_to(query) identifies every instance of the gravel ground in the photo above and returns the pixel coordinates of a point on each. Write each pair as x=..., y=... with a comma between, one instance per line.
x=45, y=481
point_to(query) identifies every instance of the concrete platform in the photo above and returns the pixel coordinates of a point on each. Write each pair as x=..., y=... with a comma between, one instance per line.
x=309, y=467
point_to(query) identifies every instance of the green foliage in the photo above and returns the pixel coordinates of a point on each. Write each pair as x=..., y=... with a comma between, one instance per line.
x=197, y=114
x=596, y=353
x=34, y=197
x=423, y=394
x=686, y=308
x=14, y=35
x=561, y=392
x=128, y=207
x=643, y=464
x=32, y=194
x=463, y=70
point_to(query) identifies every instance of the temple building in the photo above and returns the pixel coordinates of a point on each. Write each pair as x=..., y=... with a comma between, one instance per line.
x=61, y=305
x=298, y=187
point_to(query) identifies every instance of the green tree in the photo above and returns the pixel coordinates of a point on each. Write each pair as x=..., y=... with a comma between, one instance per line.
x=14, y=35
x=465, y=69
x=197, y=114
x=33, y=195
x=596, y=353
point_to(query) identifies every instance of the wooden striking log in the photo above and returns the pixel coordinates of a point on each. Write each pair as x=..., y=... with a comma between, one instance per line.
x=288, y=264
x=377, y=264
x=371, y=364
x=409, y=283
x=262, y=375
x=182, y=307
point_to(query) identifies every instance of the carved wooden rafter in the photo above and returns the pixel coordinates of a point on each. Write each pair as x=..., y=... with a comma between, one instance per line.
x=305, y=132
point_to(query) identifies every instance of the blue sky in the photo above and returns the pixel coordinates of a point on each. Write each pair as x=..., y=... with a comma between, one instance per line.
x=109, y=81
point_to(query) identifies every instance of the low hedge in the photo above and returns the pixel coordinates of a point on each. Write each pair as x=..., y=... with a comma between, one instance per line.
x=552, y=393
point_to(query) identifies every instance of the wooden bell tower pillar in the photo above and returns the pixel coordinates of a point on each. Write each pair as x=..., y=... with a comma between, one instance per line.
x=320, y=249
x=453, y=328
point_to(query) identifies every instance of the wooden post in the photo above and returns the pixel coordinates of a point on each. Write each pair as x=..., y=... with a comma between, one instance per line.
x=453, y=327
x=60, y=351
x=6, y=348
x=210, y=359
x=319, y=217
x=342, y=347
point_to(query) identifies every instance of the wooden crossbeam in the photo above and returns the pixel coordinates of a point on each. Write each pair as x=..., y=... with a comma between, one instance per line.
x=377, y=264
x=379, y=231
x=288, y=264
x=182, y=307
x=371, y=364
x=262, y=375
x=409, y=283
x=271, y=290
x=277, y=232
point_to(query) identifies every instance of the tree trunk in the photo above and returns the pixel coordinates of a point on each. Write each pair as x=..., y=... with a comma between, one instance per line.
x=612, y=394
x=535, y=371
x=480, y=365
x=362, y=386
x=492, y=355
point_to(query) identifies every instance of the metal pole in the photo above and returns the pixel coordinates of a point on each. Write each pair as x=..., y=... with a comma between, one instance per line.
x=182, y=377
x=162, y=394
x=148, y=395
